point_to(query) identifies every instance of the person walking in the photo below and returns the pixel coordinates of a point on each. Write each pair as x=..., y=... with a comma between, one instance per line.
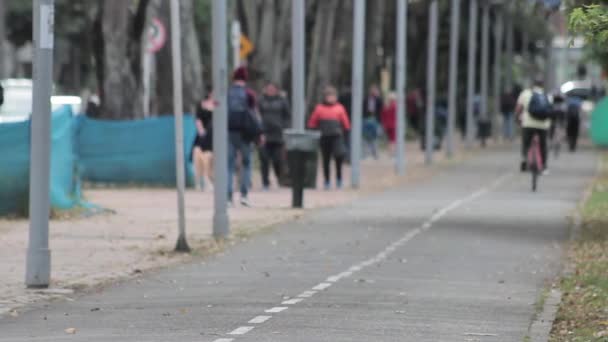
x=389, y=121
x=276, y=116
x=534, y=112
x=507, y=108
x=373, y=107
x=243, y=129
x=573, y=120
x=202, y=151
x=415, y=109
x=331, y=119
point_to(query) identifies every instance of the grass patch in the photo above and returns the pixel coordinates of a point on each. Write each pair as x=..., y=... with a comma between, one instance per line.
x=583, y=315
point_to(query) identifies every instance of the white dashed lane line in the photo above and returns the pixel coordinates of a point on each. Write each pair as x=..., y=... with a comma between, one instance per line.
x=381, y=256
x=292, y=301
x=240, y=331
x=259, y=319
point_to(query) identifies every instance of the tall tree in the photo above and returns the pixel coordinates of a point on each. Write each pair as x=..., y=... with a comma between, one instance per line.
x=192, y=68
x=375, y=31
x=2, y=38
x=319, y=71
x=119, y=29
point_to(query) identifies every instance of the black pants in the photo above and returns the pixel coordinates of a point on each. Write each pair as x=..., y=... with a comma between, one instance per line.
x=573, y=128
x=527, y=136
x=332, y=146
x=271, y=154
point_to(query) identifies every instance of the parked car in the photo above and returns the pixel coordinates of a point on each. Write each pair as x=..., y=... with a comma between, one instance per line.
x=18, y=95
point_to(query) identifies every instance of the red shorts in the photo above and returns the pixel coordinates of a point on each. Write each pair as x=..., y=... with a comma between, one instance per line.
x=391, y=134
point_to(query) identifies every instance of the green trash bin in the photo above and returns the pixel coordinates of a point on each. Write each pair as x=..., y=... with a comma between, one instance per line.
x=302, y=154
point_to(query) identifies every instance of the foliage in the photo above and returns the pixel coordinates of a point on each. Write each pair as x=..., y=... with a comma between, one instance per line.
x=583, y=315
x=591, y=21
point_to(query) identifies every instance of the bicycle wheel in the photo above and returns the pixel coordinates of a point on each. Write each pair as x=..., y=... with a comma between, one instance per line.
x=534, y=180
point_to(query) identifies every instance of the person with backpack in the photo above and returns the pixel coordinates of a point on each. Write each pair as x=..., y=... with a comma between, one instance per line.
x=331, y=119
x=244, y=128
x=534, y=112
x=276, y=116
x=507, y=108
x=573, y=120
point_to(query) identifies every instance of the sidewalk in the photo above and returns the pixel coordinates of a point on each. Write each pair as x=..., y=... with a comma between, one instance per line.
x=88, y=252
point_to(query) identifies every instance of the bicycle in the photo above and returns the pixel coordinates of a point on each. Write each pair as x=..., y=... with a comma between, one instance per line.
x=535, y=161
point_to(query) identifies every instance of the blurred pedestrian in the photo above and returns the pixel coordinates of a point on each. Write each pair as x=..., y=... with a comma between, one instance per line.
x=1, y=95
x=276, y=116
x=374, y=104
x=202, y=151
x=415, y=109
x=389, y=121
x=573, y=120
x=508, y=101
x=331, y=119
x=244, y=129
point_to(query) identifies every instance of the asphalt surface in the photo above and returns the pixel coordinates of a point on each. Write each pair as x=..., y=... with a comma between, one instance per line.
x=461, y=257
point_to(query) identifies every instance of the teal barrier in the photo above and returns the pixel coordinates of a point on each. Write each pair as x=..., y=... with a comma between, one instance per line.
x=599, y=124
x=15, y=165
x=131, y=152
x=120, y=152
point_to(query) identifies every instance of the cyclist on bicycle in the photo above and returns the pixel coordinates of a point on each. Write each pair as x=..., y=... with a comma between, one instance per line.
x=534, y=114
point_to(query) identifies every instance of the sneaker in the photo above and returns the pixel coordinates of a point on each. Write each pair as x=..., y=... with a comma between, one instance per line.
x=266, y=188
x=245, y=202
x=339, y=184
x=327, y=186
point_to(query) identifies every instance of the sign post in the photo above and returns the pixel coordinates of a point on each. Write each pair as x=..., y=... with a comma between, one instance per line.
x=471, y=73
x=431, y=82
x=357, y=91
x=454, y=45
x=221, y=227
x=157, y=37
x=178, y=107
x=38, y=264
x=298, y=41
x=236, y=44
x=401, y=84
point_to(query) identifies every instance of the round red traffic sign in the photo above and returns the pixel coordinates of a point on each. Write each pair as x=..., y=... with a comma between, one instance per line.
x=157, y=35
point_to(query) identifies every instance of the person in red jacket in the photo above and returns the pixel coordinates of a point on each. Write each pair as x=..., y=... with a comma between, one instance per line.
x=331, y=119
x=389, y=120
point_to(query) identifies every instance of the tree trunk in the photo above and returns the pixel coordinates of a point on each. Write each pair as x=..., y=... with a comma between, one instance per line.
x=342, y=57
x=373, y=41
x=121, y=29
x=322, y=50
x=3, y=53
x=192, y=68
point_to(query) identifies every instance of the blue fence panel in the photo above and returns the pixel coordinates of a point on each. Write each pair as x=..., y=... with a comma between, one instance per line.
x=15, y=164
x=125, y=152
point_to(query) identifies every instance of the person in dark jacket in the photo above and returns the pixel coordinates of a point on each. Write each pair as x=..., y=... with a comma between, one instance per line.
x=331, y=119
x=275, y=114
x=373, y=106
x=507, y=108
x=243, y=130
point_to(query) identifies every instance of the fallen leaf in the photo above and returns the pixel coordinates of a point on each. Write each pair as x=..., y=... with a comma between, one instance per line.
x=70, y=331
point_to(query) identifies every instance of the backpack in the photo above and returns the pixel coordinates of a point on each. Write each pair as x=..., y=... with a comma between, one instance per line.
x=238, y=108
x=539, y=107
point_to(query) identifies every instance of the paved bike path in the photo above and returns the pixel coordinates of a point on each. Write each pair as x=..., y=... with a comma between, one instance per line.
x=462, y=257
